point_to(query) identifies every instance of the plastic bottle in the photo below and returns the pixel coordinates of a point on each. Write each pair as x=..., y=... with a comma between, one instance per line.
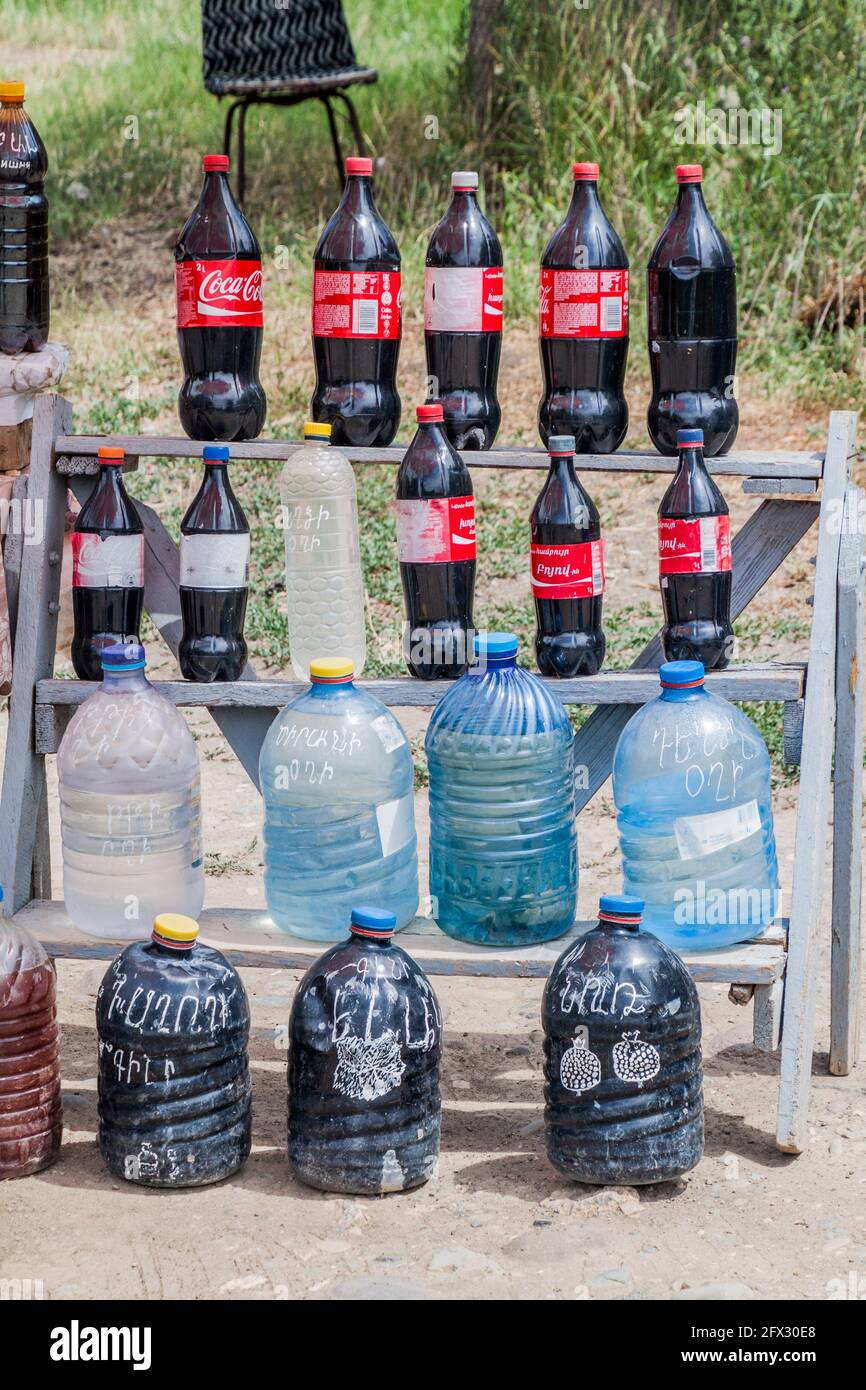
x=566, y=570
x=503, y=842
x=695, y=562
x=324, y=580
x=692, y=322
x=622, y=1055
x=214, y=576
x=691, y=783
x=173, y=1025
x=363, y=1076
x=107, y=569
x=23, y=227
x=130, y=805
x=463, y=318
x=31, y=1109
x=435, y=515
x=356, y=318
x=218, y=275
x=583, y=324
x=337, y=781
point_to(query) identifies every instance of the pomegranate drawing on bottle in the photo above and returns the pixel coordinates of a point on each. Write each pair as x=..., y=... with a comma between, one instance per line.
x=579, y=1069
x=634, y=1060
x=368, y=1068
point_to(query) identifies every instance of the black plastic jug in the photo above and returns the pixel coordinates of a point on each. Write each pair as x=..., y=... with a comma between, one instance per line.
x=363, y=1076
x=173, y=1023
x=622, y=1055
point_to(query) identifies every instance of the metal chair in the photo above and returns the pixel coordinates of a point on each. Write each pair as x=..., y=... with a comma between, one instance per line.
x=280, y=53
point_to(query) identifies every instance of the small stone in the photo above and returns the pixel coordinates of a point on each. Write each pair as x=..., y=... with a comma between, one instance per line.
x=580, y=1201
x=612, y=1276
x=532, y=1126
x=707, y=1293
x=520, y=1051
x=456, y=1259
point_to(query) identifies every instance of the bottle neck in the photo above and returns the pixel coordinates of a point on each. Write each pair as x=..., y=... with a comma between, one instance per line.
x=691, y=460
x=464, y=198
x=358, y=194
x=492, y=662
x=123, y=682
x=371, y=940
x=110, y=478
x=584, y=195
x=562, y=468
x=690, y=197
x=678, y=694
x=330, y=690
x=180, y=952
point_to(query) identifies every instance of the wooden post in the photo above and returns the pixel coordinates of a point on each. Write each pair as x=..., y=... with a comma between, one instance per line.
x=38, y=604
x=810, y=842
x=848, y=791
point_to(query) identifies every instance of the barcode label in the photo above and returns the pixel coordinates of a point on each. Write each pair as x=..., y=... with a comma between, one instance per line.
x=365, y=315
x=709, y=555
x=697, y=836
x=597, y=569
x=611, y=315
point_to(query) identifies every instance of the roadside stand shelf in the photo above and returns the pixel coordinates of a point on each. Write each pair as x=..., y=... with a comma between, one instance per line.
x=822, y=701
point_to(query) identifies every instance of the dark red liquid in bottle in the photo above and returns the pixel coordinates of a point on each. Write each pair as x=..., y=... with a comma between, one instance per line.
x=219, y=315
x=583, y=325
x=214, y=577
x=695, y=562
x=23, y=228
x=567, y=570
x=436, y=549
x=107, y=569
x=692, y=316
x=31, y=1113
x=356, y=318
x=463, y=318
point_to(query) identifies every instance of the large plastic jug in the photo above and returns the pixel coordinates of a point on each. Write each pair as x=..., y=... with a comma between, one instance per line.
x=173, y=1024
x=363, y=1075
x=503, y=842
x=691, y=783
x=324, y=582
x=337, y=780
x=130, y=805
x=622, y=1055
x=31, y=1112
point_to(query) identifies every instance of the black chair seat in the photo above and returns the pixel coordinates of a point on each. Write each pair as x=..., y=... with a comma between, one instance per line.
x=290, y=86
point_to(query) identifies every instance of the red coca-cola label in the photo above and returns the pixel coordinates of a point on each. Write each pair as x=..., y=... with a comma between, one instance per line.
x=219, y=294
x=463, y=299
x=694, y=544
x=583, y=303
x=442, y=529
x=356, y=304
x=567, y=571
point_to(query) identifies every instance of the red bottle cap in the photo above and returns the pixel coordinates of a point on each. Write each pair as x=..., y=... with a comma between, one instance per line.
x=356, y=165
x=213, y=163
x=584, y=171
x=427, y=414
x=689, y=173
x=110, y=455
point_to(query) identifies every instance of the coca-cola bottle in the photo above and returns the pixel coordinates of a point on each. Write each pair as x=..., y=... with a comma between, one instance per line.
x=23, y=227
x=695, y=562
x=107, y=569
x=583, y=324
x=692, y=320
x=436, y=549
x=214, y=576
x=219, y=314
x=463, y=318
x=566, y=570
x=356, y=318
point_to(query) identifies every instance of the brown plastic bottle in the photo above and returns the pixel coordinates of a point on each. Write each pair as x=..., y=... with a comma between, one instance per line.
x=31, y=1118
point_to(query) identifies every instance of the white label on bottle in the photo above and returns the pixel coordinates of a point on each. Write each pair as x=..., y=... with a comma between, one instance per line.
x=700, y=835
x=463, y=299
x=117, y=562
x=388, y=732
x=396, y=820
x=215, y=561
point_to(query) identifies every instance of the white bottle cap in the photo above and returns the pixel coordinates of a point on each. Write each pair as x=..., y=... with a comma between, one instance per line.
x=462, y=179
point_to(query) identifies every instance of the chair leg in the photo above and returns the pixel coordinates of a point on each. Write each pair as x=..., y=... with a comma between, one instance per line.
x=335, y=140
x=353, y=121
x=241, y=181
x=227, y=128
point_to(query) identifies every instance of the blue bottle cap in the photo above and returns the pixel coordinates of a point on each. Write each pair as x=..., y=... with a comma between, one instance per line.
x=621, y=907
x=374, y=922
x=215, y=453
x=679, y=674
x=496, y=644
x=687, y=439
x=560, y=444
x=123, y=656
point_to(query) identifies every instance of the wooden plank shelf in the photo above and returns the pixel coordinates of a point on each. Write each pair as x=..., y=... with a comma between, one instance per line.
x=249, y=938
x=76, y=454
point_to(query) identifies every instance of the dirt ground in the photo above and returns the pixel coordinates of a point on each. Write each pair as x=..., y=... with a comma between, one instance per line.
x=496, y=1222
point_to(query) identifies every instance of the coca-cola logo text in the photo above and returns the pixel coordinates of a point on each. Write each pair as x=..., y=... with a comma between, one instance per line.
x=215, y=287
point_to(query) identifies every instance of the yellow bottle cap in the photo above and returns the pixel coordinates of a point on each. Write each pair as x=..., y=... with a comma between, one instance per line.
x=175, y=928
x=316, y=431
x=11, y=91
x=332, y=668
